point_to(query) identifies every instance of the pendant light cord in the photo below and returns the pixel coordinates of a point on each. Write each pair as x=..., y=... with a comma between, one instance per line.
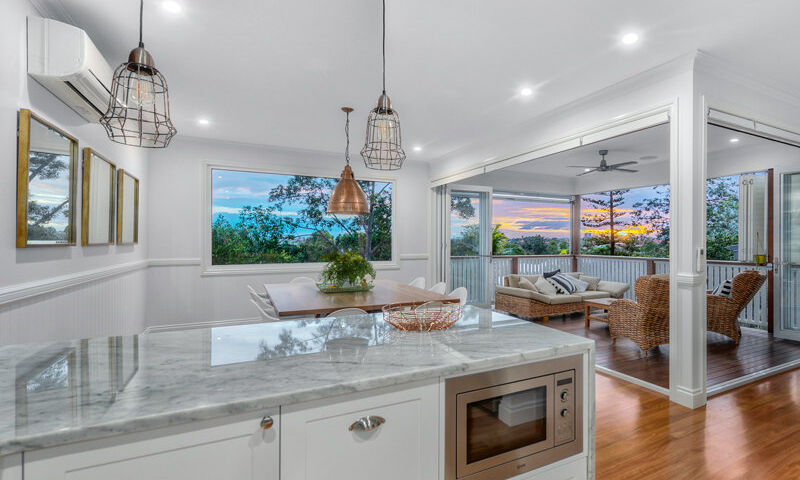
x=383, y=50
x=141, y=16
x=347, y=134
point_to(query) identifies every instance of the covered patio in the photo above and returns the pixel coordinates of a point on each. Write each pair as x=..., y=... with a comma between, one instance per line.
x=751, y=165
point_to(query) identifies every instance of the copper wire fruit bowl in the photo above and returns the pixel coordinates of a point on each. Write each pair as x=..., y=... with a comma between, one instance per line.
x=424, y=318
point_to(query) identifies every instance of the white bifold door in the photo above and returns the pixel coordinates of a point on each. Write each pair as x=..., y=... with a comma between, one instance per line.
x=470, y=242
x=788, y=265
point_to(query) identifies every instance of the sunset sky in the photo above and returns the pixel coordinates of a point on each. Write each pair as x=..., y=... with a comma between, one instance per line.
x=524, y=219
x=521, y=218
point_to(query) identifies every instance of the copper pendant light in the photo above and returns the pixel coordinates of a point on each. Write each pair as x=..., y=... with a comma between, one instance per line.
x=138, y=107
x=348, y=198
x=383, y=147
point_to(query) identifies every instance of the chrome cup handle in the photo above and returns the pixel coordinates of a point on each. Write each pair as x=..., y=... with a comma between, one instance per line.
x=366, y=424
x=266, y=423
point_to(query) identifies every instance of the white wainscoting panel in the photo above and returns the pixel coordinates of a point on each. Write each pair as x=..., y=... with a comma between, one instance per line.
x=111, y=305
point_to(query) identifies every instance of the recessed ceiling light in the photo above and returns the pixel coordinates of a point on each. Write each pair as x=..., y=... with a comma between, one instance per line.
x=587, y=169
x=203, y=121
x=734, y=140
x=526, y=92
x=171, y=6
x=417, y=148
x=630, y=38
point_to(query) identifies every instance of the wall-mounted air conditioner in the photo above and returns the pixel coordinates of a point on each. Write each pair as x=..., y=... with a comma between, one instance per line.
x=65, y=61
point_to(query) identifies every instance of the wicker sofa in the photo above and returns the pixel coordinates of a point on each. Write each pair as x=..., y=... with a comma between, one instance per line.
x=527, y=303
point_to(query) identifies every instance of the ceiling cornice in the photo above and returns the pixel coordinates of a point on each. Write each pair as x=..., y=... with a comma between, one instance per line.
x=54, y=10
x=725, y=70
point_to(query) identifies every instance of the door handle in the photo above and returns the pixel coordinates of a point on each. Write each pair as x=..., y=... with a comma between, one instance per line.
x=366, y=424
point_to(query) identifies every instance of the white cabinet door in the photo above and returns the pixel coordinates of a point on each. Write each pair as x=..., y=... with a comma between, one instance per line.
x=317, y=443
x=11, y=467
x=225, y=451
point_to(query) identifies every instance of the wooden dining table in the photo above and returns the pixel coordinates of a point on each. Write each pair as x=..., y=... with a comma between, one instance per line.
x=293, y=299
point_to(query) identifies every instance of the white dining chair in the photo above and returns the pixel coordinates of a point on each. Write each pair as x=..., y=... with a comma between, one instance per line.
x=461, y=294
x=263, y=301
x=264, y=314
x=303, y=280
x=418, y=282
x=254, y=293
x=347, y=312
x=266, y=293
x=439, y=288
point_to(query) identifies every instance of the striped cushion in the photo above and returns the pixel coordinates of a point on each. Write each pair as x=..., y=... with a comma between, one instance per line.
x=563, y=283
x=724, y=289
x=550, y=274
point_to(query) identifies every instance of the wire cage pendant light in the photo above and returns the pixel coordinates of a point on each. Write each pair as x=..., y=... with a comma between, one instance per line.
x=383, y=148
x=348, y=198
x=138, y=108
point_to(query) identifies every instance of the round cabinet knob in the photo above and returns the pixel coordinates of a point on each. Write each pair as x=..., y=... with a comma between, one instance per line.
x=564, y=412
x=564, y=396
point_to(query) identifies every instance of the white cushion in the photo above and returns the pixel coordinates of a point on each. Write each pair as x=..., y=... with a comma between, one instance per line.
x=593, y=281
x=545, y=287
x=527, y=285
x=580, y=285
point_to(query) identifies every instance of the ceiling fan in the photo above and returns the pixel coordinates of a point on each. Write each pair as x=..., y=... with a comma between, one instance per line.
x=604, y=166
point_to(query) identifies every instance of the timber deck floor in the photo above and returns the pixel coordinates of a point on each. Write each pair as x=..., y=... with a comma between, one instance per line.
x=749, y=433
x=757, y=351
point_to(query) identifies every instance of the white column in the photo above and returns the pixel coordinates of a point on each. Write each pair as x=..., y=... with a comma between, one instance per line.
x=687, y=382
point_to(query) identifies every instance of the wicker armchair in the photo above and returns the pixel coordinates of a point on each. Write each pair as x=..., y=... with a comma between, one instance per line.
x=722, y=313
x=645, y=321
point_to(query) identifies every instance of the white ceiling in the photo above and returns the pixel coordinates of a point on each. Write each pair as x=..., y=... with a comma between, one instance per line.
x=651, y=142
x=276, y=72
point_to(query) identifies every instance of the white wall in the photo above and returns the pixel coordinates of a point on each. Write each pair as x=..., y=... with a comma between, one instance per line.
x=46, y=316
x=178, y=293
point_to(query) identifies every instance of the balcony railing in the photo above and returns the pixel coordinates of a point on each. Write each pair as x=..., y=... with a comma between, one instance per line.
x=470, y=272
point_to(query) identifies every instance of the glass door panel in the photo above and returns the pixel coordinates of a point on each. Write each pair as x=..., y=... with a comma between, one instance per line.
x=789, y=271
x=470, y=242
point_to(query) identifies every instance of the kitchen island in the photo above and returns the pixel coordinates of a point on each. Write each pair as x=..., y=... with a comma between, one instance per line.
x=265, y=400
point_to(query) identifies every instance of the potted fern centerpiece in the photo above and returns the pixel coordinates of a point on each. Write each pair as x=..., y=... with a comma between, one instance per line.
x=346, y=272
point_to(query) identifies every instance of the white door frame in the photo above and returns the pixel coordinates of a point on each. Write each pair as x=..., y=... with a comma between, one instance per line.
x=780, y=265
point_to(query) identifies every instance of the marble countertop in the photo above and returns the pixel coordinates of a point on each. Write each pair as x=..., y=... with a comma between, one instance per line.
x=53, y=394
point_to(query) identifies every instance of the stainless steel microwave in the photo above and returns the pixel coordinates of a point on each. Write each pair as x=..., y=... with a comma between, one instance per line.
x=505, y=422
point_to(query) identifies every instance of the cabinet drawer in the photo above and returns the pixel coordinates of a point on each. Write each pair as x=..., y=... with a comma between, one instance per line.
x=565, y=470
x=318, y=444
x=231, y=449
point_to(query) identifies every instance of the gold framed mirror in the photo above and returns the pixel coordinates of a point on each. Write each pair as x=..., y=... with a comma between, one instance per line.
x=97, y=207
x=46, y=159
x=127, y=208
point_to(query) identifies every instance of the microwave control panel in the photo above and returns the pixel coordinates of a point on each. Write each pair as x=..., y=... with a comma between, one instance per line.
x=564, y=407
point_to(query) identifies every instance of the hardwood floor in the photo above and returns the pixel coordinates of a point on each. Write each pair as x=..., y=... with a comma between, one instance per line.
x=750, y=433
x=756, y=351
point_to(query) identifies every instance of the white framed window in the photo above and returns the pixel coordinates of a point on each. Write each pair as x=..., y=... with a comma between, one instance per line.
x=276, y=220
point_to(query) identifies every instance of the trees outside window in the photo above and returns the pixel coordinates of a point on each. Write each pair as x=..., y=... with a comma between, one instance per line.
x=264, y=218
